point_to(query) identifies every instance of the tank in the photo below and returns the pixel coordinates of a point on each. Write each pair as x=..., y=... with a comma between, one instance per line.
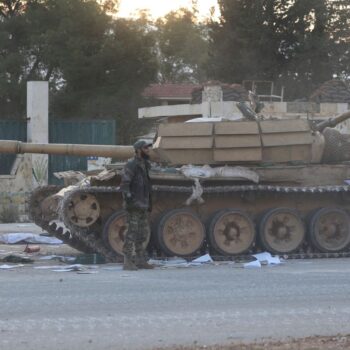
x=231, y=188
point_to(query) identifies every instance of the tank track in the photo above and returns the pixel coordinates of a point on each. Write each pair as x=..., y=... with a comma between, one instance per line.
x=38, y=218
x=94, y=241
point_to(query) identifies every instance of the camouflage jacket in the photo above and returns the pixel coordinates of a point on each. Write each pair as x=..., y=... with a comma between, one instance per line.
x=136, y=184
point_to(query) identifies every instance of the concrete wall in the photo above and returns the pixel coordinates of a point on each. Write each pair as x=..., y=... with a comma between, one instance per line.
x=15, y=187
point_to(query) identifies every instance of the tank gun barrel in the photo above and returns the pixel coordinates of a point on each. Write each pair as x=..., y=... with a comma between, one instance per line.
x=332, y=122
x=119, y=152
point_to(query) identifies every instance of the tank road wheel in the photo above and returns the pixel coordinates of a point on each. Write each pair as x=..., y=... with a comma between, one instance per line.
x=180, y=232
x=281, y=231
x=329, y=230
x=83, y=210
x=231, y=232
x=114, y=231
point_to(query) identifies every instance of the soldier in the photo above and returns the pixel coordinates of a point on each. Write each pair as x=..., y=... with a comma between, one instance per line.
x=136, y=188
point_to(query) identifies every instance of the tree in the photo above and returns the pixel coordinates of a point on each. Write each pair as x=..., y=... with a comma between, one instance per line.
x=245, y=43
x=13, y=57
x=182, y=47
x=97, y=65
x=292, y=42
x=340, y=31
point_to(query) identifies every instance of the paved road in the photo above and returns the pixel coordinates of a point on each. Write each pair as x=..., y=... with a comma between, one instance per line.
x=145, y=309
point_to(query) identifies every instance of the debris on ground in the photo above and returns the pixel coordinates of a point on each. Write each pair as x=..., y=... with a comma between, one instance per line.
x=46, y=256
x=31, y=249
x=10, y=267
x=176, y=262
x=261, y=259
x=204, y=259
x=61, y=258
x=14, y=259
x=68, y=268
x=14, y=238
x=266, y=258
x=169, y=262
x=339, y=342
x=252, y=264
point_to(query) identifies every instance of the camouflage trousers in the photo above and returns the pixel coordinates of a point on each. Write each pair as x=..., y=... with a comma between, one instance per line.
x=138, y=232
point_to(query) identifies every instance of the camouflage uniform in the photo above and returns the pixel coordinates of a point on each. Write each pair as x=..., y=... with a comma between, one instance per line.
x=136, y=188
x=138, y=232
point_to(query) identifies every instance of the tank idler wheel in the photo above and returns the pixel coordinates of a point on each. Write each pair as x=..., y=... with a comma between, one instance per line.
x=83, y=210
x=114, y=231
x=180, y=232
x=281, y=231
x=329, y=230
x=231, y=232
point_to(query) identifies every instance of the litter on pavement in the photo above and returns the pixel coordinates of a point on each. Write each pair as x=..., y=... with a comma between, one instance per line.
x=61, y=258
x=264, y=258
x=204, y=259
x=31, y=249
x=10, y=267
x=13, y=238
x=68, y=268
x=15, y=259
x=180, y=262
x=252, y=264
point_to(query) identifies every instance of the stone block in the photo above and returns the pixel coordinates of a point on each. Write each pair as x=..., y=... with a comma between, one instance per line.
x=303, y=107
x=279, y=108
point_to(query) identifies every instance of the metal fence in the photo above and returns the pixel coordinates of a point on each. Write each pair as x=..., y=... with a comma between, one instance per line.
x=60, y=131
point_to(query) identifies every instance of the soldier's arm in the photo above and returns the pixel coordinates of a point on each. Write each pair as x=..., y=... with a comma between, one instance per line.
x=127, y=176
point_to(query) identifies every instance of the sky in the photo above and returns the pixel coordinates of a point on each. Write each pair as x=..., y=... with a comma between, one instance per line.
x=158, y=8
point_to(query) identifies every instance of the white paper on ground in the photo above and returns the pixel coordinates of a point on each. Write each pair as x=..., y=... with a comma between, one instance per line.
x=13, y=238
x=180, y=262
x=58, y=257
x=268, y=258
x=75, y=267
x=252, y=264
x=171, y=262
x=69, y=268
x=204, y=259
x=9, y=267
x=275, y=260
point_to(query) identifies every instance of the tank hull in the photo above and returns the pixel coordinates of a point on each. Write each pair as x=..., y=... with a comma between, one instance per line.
x=229, y=218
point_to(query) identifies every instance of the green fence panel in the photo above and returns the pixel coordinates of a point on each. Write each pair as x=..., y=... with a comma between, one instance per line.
x=11, y=130
x=99, y=132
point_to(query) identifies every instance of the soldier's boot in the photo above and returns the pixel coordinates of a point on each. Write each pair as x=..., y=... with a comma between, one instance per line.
x=142, y=263
x=128, y=264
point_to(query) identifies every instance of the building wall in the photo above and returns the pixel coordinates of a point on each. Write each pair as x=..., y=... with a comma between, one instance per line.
x=15, y=187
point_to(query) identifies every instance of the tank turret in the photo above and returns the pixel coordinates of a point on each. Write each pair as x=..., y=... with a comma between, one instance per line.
x=219, y=143
x=251, y=141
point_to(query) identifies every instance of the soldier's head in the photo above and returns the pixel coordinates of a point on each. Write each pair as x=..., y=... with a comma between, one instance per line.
x=142, y=149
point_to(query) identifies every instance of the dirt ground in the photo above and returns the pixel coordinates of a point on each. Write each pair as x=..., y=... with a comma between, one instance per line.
x=339, y=342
